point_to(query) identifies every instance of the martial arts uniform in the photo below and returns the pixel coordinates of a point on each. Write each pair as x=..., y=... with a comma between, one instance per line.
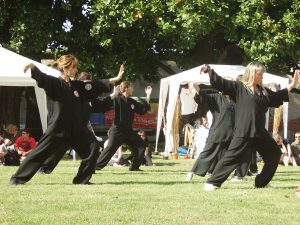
x=249, y=129
x=122, y=132
x=220, y=132
x=66, y=127
x=96, y=105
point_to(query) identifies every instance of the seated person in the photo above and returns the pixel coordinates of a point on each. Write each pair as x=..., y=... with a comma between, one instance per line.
x=12, y=134
x=285, y=158
x=25, y=143
x=117, y=159
x=295, y=149
x=3, y=150
x=147, y=160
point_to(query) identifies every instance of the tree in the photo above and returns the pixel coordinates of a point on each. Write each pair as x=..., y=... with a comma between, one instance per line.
x=105, y=33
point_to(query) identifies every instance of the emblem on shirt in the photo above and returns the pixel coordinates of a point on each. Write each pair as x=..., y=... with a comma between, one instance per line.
x=88, y=87
x=76, y=93
x=132, y=106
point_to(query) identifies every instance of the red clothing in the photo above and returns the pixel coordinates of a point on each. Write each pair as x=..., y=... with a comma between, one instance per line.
x=26, y=145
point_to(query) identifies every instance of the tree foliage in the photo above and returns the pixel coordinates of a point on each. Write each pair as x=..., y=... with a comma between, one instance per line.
x=105, y=33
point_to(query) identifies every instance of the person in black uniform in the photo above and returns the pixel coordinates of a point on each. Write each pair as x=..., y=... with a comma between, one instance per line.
x=122, y=131
x=220, y=132
x=96, y=105
x=65, y=127
x=252, y=102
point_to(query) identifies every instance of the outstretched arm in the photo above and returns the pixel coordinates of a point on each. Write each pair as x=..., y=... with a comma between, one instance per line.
x=119, y=76
x=28, y=66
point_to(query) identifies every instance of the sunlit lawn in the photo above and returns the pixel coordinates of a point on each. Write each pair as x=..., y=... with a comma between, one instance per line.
x=158, y=195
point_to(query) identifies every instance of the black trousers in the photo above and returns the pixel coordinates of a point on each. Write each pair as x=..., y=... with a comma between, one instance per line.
x=208, y=158
x=118, y=137
x=264, y=144
x=243, y=167
x=85, y=145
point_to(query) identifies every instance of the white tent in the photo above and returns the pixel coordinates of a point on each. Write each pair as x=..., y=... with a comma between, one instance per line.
x=11, y=74
x=170, y=86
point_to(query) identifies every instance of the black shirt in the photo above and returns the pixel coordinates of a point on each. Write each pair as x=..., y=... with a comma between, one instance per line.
x=223, y=112
x=250, y=108
x=68, y=98
x=125, y=108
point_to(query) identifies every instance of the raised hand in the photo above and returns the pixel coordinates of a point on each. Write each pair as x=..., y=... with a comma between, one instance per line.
x=204, y=68
x=29, y=66
x=148, y=90
x=119, y=76
x=296, y=77
x=116, y=92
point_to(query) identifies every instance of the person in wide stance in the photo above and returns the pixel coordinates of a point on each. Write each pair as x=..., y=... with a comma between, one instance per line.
x=252, y=102
x=121, y=130
x=66, y=127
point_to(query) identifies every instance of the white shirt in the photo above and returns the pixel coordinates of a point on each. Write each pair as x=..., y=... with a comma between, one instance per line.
x=188, y=104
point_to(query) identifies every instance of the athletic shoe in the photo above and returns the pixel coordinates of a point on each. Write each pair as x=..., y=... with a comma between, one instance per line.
x=189, y=177
x=132, y=169
x=209, y=187
x=238, y=179
x=252, y=174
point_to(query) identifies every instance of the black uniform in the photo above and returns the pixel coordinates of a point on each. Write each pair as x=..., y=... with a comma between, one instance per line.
x=66, y=127
x=220, y=132
x=96, y=105
x=122, y=132
x=249, y=129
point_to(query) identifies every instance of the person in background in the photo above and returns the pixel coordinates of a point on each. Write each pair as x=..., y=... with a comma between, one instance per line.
x=3, y=150
x=25, y=143
x=295, y=149
x=12, y=134
x=220, y=132
x=121, y=130
x=285, y=149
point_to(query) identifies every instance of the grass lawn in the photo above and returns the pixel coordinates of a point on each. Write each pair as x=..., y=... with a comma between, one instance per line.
x=158, y=195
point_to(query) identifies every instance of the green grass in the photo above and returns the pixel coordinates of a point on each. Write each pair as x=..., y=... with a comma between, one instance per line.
x=158, y=195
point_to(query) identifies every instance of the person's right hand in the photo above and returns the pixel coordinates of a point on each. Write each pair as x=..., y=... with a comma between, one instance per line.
x=29, y=66
x=204, y=68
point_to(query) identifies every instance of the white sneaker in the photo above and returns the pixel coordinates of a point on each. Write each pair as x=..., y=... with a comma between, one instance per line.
x=209, y=187
x=238, y=179
x=189, y=177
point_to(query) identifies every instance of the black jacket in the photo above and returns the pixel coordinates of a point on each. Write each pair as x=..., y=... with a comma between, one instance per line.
x=250, y=108
x=68, y=99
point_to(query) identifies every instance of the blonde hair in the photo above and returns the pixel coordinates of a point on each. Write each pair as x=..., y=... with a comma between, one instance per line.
x=11, y=128
x=65, y=62
x=125, y=84
x=277, y=137
x=250, y=72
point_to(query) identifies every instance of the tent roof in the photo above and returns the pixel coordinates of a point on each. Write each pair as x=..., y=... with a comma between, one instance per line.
x=11, y=73
x=193, y=75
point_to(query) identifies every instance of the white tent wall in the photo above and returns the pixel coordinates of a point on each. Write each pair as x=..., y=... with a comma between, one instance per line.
x=11, y=74
x=172, y=84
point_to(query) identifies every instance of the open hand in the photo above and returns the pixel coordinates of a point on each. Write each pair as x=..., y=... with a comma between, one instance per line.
x=29, y=66
x=204, y=68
